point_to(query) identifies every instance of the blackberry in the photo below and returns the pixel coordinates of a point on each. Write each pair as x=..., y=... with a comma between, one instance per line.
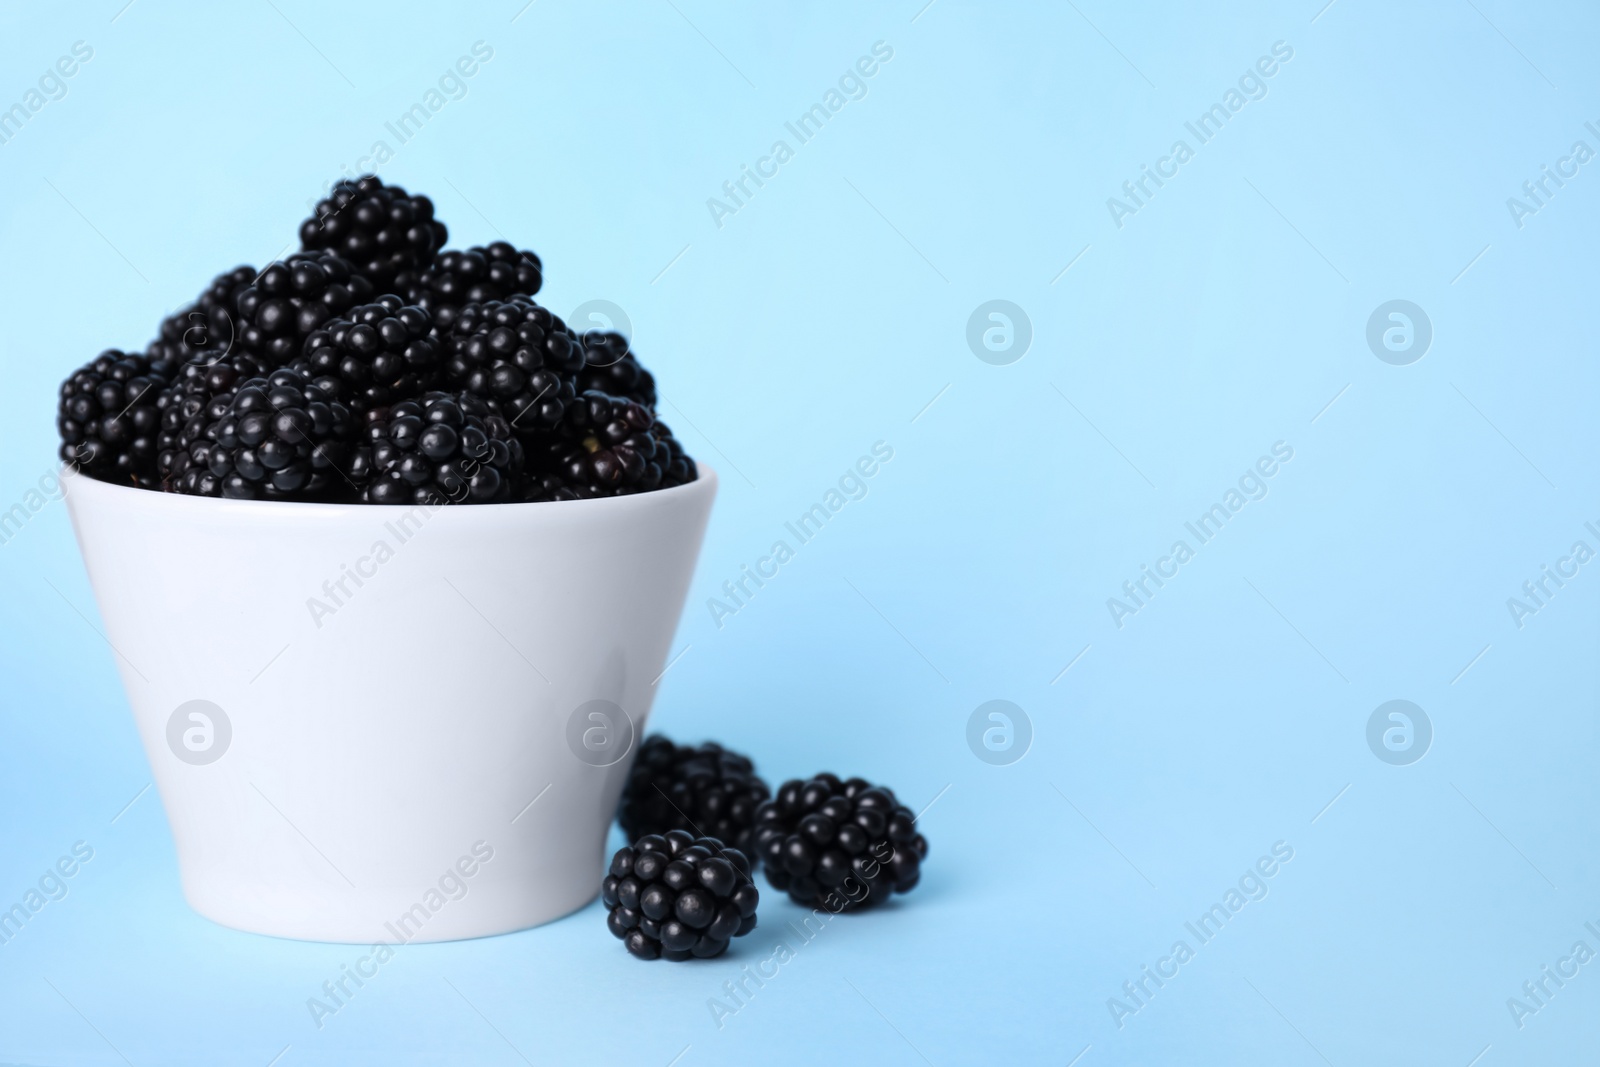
x=378, y=228
x=206, y=330
x=478, y=275
x=109, y=417
x=611, y=446
x=537, y=487
x=677, y=468
x=207, y=378
x=192, y=408
x=291, y=299
x=848, y=844
x=184, y=403
x=679, y=896
x=518, y=355
x=273, y=437
x=441, y=447
x=610, y=367
x=373, y=354
x=705, y=789
x=178, y=411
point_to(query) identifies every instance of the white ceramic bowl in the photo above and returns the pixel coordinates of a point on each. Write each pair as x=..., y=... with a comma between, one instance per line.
x=385, y=723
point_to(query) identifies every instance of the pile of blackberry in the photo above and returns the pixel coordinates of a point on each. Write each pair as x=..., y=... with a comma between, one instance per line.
x=390, y=371
x=842, y=845
x=679, y=896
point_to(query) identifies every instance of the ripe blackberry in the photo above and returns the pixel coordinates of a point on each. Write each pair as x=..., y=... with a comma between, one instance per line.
x=273, y=437
x=207, y=329
x=611, y=446
x=679, y=896
x=610, y=367
x=439, y=448
x=518, y=355
x=373, y=354
x=291, y=299
x=677, y=468
x=480, y=274
x=109, y=417
x=179, y=429
x=184, y=403
x=378, y=228
x=847, y=844
x=700, y=788
x=541, y=486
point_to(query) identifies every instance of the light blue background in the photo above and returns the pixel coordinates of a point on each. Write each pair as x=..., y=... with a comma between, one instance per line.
x=824, y=316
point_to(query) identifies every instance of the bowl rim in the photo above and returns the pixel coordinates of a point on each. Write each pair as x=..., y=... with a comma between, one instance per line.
x=706, y=480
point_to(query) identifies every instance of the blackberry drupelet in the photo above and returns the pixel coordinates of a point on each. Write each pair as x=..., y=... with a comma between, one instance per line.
x=677, y=896
x=847, y=845
x=207, y=329
x=374, y=354
x=109, y=417
x=273, y=437
x=705, y=789
x=378, y=228
x=439, y=448
x=518, y=355
x=478, y=275
x=609, y=366
x=291, y=299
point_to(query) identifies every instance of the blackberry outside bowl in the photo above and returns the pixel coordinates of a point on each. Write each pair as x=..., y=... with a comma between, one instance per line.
x=387, y=723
